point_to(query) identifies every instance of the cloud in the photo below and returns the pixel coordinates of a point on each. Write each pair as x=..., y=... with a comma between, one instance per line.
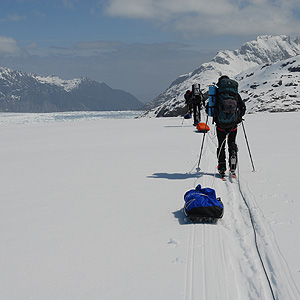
x=70, y=4
x=194, y=17
x=13, y=18
x=132, y=8
x=9, y=46
x=31, y=46
x=80, y=49
x=97, y=46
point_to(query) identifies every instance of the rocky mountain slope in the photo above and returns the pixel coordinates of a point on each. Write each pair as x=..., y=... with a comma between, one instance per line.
x=264, y=51
x=272, y=87
x=21, y=92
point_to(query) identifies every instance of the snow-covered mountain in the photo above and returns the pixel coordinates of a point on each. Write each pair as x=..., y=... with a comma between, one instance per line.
x=273, y=88
x=22, y=92
x=265, y=50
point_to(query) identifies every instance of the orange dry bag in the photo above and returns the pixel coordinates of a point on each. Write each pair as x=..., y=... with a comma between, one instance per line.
x=203, y=127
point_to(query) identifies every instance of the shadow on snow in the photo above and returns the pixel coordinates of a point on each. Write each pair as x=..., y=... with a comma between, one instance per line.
x=184, y=220
x=179, y=176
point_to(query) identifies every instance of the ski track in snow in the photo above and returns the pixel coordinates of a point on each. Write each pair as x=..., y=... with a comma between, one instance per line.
x=273, y=260
x=238, y=272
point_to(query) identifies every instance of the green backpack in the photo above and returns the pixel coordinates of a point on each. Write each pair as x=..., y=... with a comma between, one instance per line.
x=227, y=103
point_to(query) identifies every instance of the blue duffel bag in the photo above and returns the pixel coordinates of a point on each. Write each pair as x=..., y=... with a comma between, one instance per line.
x=203, y=203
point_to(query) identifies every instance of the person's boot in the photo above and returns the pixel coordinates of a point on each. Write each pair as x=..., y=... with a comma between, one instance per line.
x=222, y=169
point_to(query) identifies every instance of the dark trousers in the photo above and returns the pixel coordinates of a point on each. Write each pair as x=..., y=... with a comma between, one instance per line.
x=196, y=112
x=221, y=135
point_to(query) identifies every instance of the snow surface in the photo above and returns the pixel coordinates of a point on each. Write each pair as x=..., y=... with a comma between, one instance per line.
x=93, y=210
x=7, y=119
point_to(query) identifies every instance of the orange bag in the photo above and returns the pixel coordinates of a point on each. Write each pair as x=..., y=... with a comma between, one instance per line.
x=201, y=127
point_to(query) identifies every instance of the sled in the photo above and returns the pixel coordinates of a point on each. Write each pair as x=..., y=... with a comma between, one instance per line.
x=202, y=205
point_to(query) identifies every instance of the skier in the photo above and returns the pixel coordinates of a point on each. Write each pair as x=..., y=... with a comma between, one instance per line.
x=194, y=100
x=197, y=105
x=228, y=113
x=188, y=101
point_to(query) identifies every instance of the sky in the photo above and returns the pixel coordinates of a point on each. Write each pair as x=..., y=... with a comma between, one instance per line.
x=139, y=46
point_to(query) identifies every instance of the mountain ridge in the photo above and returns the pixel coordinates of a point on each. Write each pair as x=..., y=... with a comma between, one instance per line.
x=22, y=92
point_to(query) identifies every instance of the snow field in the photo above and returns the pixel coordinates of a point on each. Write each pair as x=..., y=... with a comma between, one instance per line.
x=93, y=210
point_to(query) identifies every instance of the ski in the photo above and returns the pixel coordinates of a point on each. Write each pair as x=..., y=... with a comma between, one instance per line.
x=233, y=174
x=222, y=176
x=221, y=172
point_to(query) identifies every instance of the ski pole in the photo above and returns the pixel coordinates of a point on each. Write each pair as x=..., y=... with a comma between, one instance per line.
x=182, y=121
x=202, y=142
x=248, y=146
x=184, y=116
